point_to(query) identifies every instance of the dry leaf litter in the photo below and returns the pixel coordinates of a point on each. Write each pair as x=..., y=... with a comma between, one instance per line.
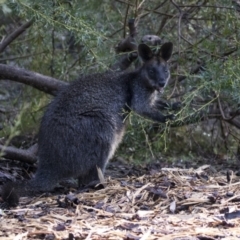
x=167, y=204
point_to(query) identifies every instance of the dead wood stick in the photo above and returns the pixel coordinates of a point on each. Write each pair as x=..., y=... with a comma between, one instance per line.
x=22, y=155
x=43, y=83
x=14, y=35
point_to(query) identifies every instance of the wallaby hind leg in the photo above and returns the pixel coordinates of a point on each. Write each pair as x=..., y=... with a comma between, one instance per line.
x=44, y=181
x=88, y=178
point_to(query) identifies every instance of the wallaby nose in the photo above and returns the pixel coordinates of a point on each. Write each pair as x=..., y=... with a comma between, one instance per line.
x=161, y=84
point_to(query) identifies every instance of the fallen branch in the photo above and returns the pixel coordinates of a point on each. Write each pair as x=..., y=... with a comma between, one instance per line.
x=14, y=35
x=22, y=155
x=43, y=83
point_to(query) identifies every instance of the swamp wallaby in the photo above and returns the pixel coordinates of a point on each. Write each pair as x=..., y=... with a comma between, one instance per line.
x=85, y=122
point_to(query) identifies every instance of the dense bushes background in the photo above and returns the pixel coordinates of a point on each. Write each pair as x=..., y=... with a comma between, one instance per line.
x=70, y=38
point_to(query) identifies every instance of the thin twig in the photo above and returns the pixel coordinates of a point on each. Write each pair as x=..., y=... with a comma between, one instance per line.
x=222, y=112
x=14, y=35
x=125, y=22
x=207, y=6
x=179, y=37
x=53, y=40
x=24, y=56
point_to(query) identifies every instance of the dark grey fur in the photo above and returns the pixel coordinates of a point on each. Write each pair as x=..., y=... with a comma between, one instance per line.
x=84, y=124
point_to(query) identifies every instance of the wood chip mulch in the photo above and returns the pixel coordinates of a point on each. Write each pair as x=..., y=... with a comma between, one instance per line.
x=171, y=203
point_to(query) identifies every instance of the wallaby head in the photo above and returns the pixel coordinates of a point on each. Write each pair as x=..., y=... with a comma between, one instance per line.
x=155, y=71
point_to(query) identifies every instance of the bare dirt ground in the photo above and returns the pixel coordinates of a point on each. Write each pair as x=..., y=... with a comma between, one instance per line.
x=135, y=203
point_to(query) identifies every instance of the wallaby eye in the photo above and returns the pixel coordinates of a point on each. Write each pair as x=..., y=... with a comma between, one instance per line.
x=151, y=71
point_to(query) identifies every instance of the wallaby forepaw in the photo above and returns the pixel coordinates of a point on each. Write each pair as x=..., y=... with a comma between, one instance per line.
x=176, y=106
x=170, y=117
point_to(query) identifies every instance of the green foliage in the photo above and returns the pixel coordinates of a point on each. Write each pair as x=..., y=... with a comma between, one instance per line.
x=70, y=38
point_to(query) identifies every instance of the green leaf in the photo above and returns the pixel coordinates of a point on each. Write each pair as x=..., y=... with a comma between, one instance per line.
x=5, y=8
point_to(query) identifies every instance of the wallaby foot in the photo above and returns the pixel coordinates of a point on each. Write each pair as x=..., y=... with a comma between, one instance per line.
x=170, y=117
x=176, y=106
x=87, y=179
x=90, y=185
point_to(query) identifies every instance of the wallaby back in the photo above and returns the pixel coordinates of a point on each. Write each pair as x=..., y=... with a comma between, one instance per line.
x=84, y=124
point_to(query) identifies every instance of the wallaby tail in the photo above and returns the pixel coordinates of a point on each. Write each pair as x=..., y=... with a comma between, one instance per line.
x=12, y=191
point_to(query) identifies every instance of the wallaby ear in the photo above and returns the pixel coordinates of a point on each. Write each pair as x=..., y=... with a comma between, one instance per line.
x=144, y=52
x=166, y=51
